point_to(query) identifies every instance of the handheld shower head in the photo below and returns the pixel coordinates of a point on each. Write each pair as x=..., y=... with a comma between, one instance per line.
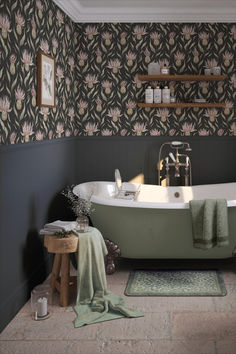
x=172, y=156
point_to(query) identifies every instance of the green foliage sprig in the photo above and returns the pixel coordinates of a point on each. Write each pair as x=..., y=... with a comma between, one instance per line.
x=63, y=234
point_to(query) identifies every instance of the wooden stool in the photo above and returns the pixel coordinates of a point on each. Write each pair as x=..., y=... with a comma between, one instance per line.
x=62, y=247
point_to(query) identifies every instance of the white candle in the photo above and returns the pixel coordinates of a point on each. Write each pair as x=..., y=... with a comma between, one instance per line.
x=42, y=307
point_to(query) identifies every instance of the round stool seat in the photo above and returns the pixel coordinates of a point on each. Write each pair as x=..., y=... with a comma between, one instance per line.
x=61, y=245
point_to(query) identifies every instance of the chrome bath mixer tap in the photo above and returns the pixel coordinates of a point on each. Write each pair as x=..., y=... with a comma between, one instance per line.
x=176, y=162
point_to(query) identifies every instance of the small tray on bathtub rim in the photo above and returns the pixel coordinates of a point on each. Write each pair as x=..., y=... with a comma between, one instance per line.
x=126, y=194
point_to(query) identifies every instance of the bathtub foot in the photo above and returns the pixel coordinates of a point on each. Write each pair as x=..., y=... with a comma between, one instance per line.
x=113, y=253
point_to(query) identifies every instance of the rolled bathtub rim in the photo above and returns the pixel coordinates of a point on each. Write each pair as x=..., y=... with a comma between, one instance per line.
x=115, y=202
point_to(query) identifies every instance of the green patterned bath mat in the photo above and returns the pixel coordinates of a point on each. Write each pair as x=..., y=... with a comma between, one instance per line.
x=175, y=283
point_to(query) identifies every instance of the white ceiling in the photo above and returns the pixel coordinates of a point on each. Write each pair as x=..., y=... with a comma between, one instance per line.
x=149, y=10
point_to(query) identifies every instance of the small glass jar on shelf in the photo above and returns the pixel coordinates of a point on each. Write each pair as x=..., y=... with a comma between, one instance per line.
x=165, y=70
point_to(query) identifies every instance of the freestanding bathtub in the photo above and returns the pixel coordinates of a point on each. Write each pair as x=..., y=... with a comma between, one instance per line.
x=157, y=224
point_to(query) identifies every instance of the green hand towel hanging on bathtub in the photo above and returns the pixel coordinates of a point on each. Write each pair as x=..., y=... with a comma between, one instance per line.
x=210, y=223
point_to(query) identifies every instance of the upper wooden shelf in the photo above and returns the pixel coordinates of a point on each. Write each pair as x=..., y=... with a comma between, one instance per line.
x=183, y=105
x=181, y=77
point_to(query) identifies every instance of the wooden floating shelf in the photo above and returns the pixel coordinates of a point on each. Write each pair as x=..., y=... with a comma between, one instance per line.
x=183, y=105
x=181, y=77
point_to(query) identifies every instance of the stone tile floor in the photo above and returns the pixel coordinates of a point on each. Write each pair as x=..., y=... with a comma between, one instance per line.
x=171, y=325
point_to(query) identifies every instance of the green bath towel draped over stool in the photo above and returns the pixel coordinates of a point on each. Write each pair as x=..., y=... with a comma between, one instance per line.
x=210, y=223
x=94, y=302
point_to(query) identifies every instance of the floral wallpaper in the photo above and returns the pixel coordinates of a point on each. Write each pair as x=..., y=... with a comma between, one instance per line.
x=97, y=88
x=110, y=56
x=25, y=28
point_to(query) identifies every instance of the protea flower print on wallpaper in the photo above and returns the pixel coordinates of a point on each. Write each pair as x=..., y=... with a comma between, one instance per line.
x=25, y=28
x=110, y=57
x=97, y=67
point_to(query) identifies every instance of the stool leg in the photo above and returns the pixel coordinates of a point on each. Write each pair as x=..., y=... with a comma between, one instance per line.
x=55, y=270
x=65, y=277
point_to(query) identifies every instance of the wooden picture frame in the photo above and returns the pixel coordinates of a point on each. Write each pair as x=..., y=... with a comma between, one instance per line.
x=46, y=80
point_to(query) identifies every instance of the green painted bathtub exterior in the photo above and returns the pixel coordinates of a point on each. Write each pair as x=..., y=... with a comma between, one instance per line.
x=156, y=233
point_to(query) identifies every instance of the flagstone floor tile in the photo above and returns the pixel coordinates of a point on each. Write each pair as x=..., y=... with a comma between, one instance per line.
x=171, y=325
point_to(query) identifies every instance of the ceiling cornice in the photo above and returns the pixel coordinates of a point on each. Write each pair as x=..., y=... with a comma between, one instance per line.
x=189, y=11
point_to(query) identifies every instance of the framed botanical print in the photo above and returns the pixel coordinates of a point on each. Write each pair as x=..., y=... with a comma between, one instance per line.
x=46, y=80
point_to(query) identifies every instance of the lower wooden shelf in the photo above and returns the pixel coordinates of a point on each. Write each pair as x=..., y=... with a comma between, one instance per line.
x=184, y=105
x=181, y=77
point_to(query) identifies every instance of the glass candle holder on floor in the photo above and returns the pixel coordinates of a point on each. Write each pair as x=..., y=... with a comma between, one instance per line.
x=82, y=223
x=41, y=301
